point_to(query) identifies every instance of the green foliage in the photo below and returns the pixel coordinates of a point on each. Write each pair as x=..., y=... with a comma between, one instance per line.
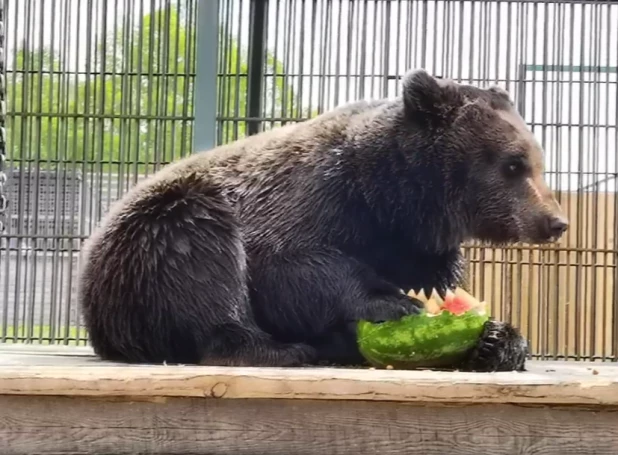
x=280, y=101
x=45, y=334
x=128, y=108
x=131, y=108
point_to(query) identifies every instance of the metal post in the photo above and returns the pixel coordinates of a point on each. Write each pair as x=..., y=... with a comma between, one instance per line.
x=256, y=64
x=205, y=95
x=3, y=199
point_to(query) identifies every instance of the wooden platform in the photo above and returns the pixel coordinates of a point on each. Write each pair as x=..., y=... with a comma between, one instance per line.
x=66, y=401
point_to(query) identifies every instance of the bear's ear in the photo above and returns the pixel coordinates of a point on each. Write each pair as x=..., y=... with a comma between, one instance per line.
x=497, y=90
x=501, y=94
x=428, y=99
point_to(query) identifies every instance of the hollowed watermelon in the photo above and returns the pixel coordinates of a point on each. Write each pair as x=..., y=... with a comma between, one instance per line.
x=438, y=337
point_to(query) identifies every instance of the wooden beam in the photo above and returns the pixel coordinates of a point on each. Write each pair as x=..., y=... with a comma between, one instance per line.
x=59, y=400
x=74, y=373
x=63, y=425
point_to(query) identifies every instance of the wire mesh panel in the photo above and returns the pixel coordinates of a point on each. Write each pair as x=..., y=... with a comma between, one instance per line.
x=287, y=60
x=100, y=95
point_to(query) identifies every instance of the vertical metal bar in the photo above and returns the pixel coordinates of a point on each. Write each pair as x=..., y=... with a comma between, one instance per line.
x=559, y=30
x=301, y=63
x=287, y=101
x=23, y=144
x=3, y=197
x=204, y=136
x=190, y=52
x=42, y=74
x=272, y=92
x=594, y=109
x=460, y=42
x=338, y=75
x=275, y=110
x=518, y=56
x=362, y=50
x=237, y=78
x=223, y=49
x=51, y=124
x=78, y=145
x=608, y=192
x=324, y=48
x=403, y=39
x=4, y=244
x=531, y=20
x=150, y=56
x=311, y=72
x=374, y=45
x=580, y=314
x=570, y=344
x=543, y=301
x=256, y=64
x=434, y=46
x=614, y=294
x=424, y=24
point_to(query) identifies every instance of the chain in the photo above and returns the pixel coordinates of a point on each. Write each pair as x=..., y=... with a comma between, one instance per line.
x=4, y=202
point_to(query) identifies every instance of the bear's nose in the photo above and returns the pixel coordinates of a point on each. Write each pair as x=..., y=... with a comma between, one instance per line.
x=558, y=226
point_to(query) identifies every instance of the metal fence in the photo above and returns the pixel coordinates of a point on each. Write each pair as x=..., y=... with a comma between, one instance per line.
x=101, y=93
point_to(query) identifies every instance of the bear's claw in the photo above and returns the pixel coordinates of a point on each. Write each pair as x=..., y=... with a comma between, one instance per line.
x=500, y=348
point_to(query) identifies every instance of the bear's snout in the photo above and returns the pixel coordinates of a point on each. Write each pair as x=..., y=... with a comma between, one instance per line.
x=558, y=225
x=547, y=226
x=553, y=227
x=547, y=221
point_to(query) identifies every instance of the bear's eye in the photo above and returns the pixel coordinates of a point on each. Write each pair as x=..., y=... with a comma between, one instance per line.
x=515, y=168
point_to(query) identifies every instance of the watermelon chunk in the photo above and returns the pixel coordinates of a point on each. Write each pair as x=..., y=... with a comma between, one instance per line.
x=438, y=337
x=457, y=302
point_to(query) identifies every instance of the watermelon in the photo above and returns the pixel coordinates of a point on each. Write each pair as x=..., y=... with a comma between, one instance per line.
x=440, y=336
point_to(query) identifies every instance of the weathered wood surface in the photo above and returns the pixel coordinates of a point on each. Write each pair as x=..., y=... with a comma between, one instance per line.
x=63, y=425
x=56, y=400
x=76, y=372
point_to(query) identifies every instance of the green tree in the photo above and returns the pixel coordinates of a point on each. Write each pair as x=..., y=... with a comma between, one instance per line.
x=130, y=108
x=34, y=94
x=280, y=99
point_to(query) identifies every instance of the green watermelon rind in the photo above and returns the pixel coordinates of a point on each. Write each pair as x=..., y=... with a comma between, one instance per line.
x=422, y=340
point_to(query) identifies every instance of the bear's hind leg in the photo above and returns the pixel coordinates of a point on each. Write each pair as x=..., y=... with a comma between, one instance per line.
x=165, y=280
x=239, y=345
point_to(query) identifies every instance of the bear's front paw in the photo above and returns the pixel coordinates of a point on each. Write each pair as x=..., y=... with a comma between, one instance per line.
x=388, y=308
x=500, y=348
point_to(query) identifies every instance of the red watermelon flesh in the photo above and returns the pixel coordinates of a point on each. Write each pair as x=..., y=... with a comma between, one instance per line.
x=458, y=302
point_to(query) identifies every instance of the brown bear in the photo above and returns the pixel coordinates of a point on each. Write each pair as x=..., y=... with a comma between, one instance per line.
x=266, y=251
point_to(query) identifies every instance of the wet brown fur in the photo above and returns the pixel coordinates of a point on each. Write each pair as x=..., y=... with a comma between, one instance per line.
x=266, y=251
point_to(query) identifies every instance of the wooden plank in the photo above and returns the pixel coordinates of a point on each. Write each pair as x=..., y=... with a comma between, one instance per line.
x=83, y=375
x=62, y=425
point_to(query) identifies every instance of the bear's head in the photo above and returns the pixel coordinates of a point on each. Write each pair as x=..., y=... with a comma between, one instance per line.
x=490, y=162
